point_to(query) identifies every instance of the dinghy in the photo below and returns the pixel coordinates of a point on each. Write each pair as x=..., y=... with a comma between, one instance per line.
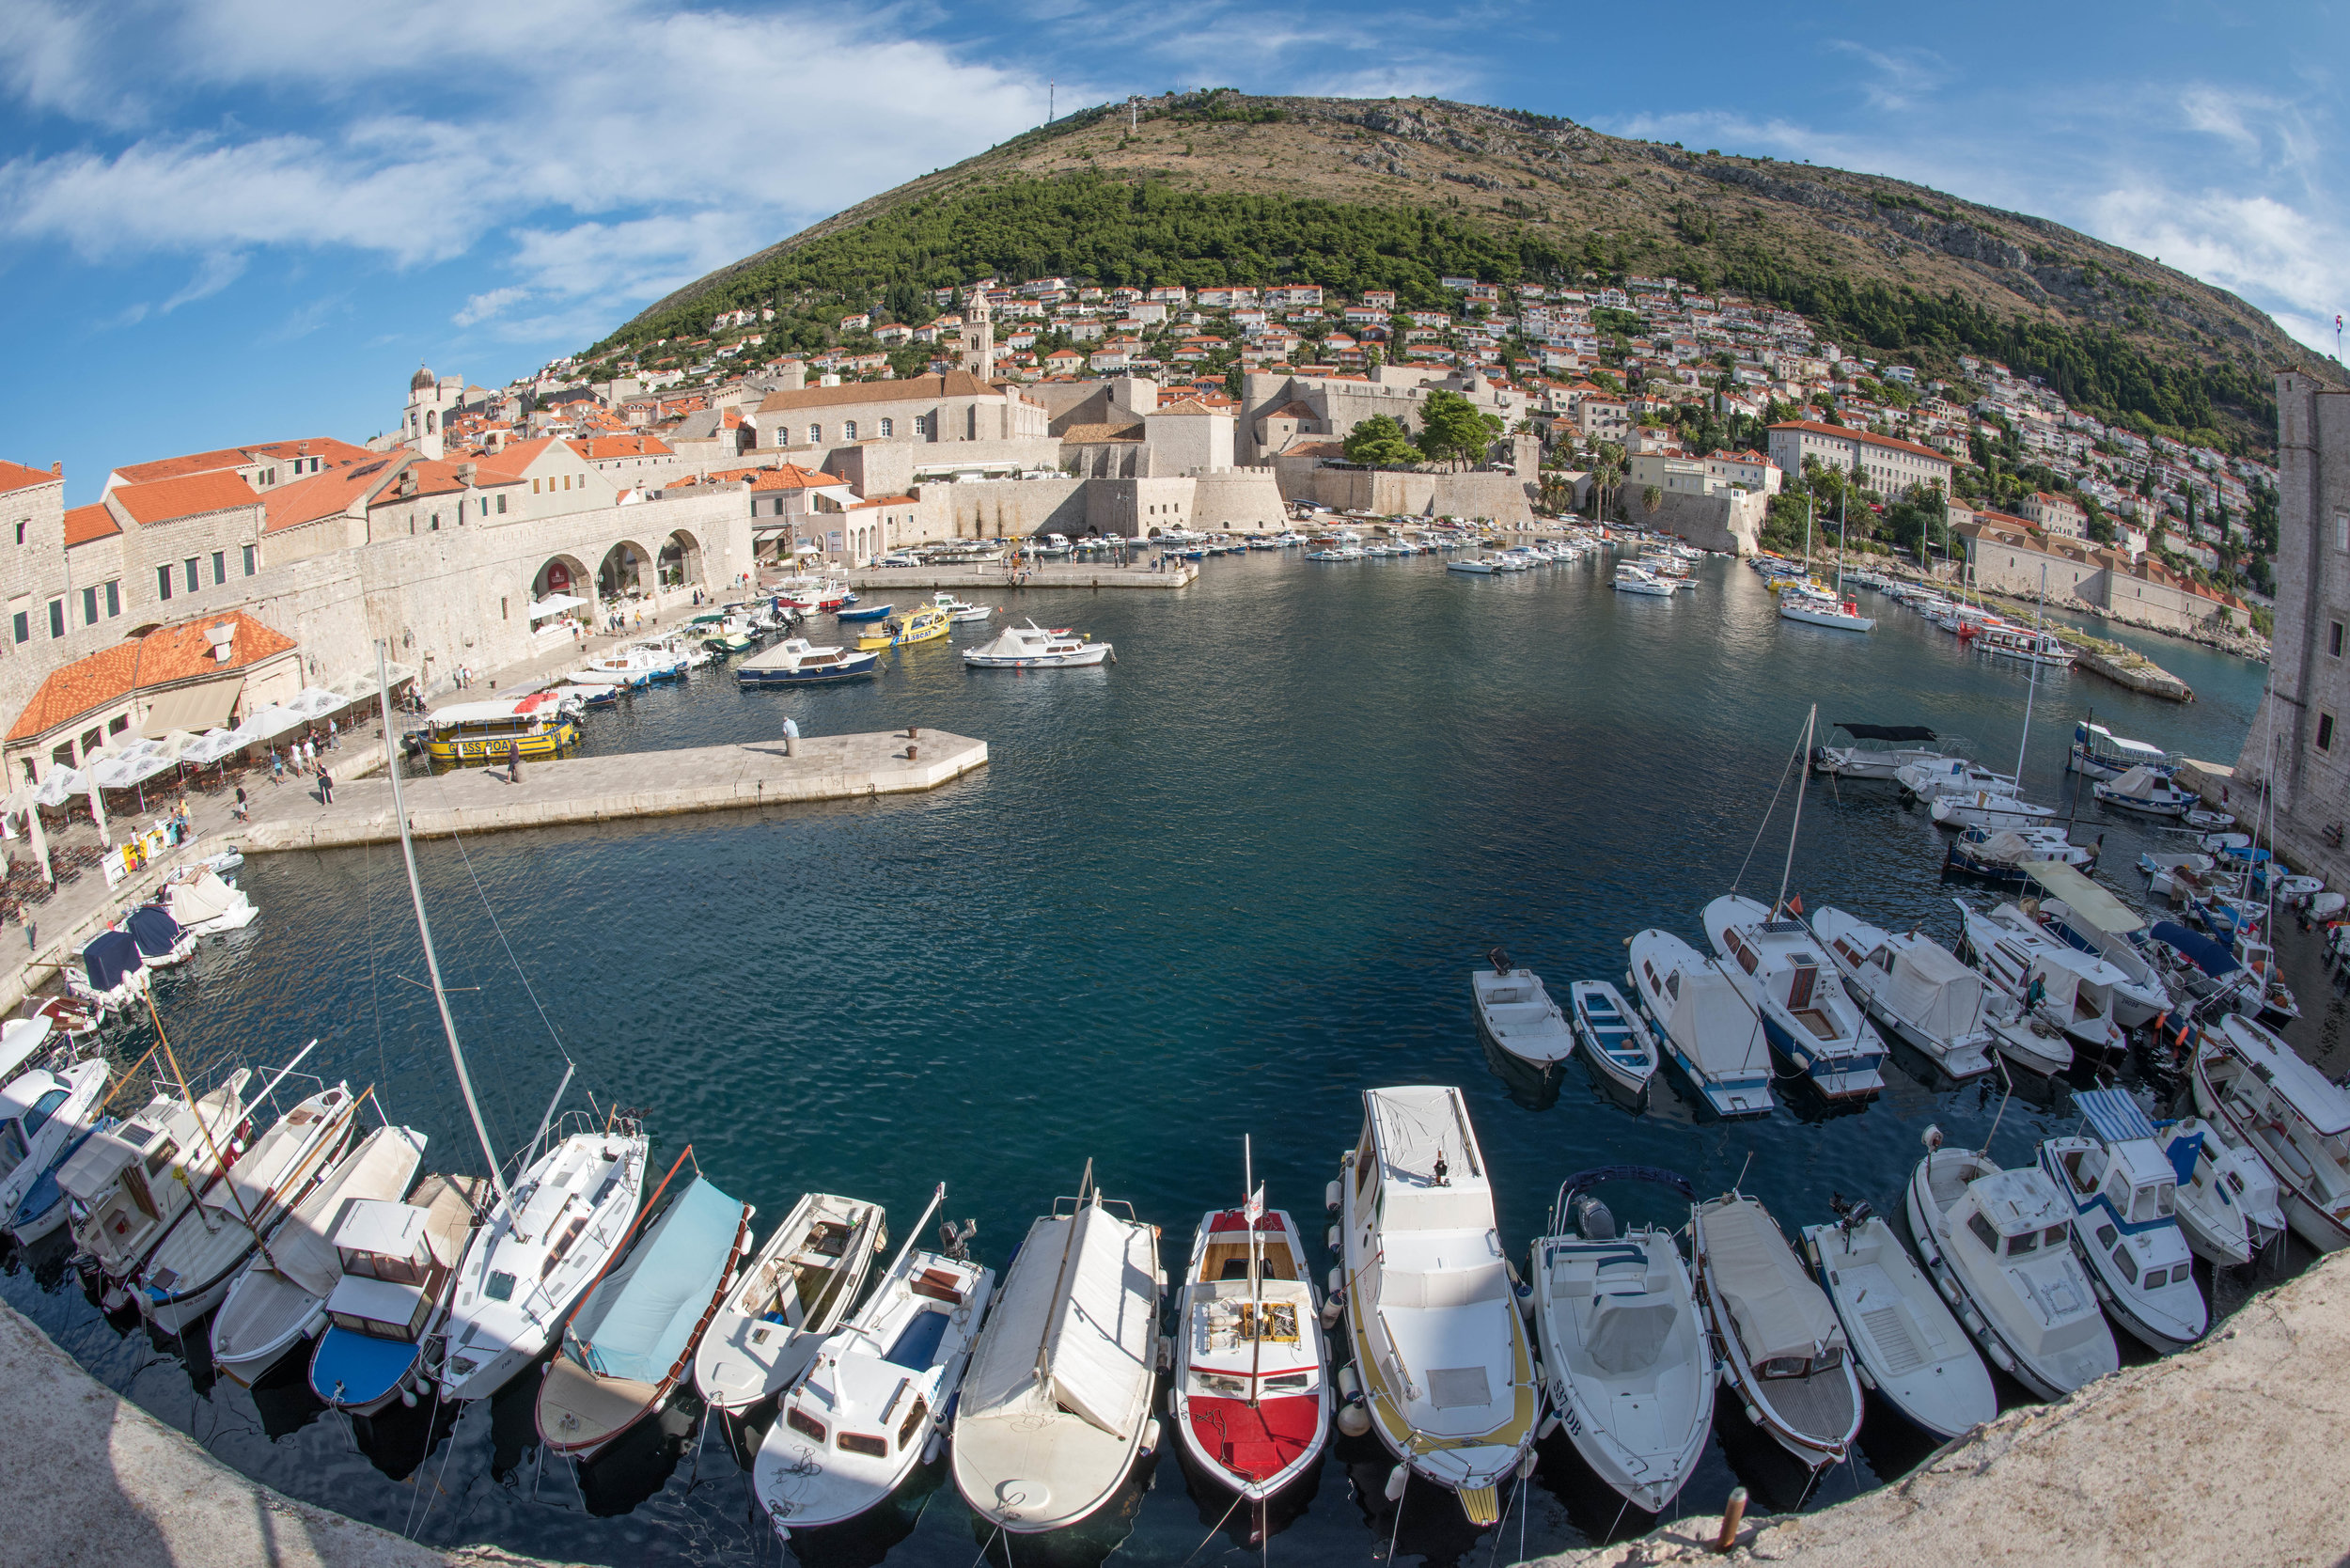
x=1446, y=1368
x=399, y=1273
x=2123, y=1199
x=531, y=1259
x=1773, y=959
x=2263, y=1096
x=280, y=1299
x=872, y=1403
x=1998, y=1245
x=2228, y=1203
x=1613, y=1036
x=631, y=1341
x=1055, y=1405
x=1911, y=985
x=191, y=1271
x=1909, y=1348
x=1704, y=1025
x=2007, y=854
x=127, y=1188
x=1784, y=1352
x=1248, y=1397
x=804, y=1282
x=41, y=1110
x=1625, y=1357
x=1517, y=1014
x=865, y=612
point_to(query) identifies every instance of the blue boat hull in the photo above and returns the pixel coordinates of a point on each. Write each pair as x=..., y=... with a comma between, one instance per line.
x=359, y=1372
x=874, y=613
x=780, y=678
x=1821, y=1068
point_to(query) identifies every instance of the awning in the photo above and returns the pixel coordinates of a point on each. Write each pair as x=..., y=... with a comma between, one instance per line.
x=555, y=604
x=2085, y=898
x=193, y=708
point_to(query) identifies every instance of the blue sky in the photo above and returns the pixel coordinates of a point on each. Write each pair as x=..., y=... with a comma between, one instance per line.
x=242, y=220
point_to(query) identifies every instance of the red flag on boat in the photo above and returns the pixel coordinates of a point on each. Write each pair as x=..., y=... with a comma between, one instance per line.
x=1794, y=906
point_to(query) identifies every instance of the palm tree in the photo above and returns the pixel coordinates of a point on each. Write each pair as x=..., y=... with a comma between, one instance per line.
x=1651, y=498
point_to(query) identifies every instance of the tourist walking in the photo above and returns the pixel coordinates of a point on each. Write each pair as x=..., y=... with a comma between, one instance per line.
x=326, y=786
x=513, y=763
x=277, y=767
x=242, y=811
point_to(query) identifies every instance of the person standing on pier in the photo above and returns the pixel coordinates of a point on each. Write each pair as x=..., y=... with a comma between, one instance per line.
x=326, y=786
x=790, y=736
x=513, y=763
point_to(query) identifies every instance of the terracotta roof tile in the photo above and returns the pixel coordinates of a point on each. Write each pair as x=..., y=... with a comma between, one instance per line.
x=953, y=383
x=163, y=657
x=324, y=495
x=191, y=495
x=85, y=524
x=1816, y=428
x=15, y=476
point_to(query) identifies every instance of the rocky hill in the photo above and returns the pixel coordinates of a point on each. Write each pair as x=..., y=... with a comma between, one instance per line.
x=1215, y=187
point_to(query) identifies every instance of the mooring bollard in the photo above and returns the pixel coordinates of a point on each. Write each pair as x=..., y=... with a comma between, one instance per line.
x=1733, y=1511
x=912, y=733
x=913, y=751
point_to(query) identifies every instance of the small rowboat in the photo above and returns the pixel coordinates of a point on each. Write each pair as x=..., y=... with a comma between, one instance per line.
x=1618, y=1045
x=864, y=612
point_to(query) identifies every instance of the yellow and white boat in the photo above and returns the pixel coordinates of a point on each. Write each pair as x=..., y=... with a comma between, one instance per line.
x=1445, y=1364
x=535, y=725
x=924, y=624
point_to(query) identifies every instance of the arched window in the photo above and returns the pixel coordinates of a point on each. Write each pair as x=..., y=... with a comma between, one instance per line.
x=847, y=430
x=429, y=426
x=815, y=435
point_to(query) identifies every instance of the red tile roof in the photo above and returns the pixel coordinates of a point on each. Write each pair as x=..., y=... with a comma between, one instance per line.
x=620, y=447
x=324, y=495
x=1816, y=428
x=163, y=657
x=86, y=524
x=15, y=476
x=225, y=457
x=192, y=495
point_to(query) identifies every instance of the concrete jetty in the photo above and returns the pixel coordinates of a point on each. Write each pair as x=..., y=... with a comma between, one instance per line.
x=995, y=578
x=2135, y=671
x=623, y=786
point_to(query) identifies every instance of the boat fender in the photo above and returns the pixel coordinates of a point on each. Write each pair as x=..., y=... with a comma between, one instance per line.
x=1330, y=1197
x=408, y=1398
x=930, y=1450
x=1350, y=1386
x=1754, y=1415
x=1526, y=1465
x=1331, y=1308
x=1866, y=1381
x=1550, y=1425
x=1334, y=1236
x=1354, y=1421
x=1166, y=1354
x=1338, y=1281
x=1398, y=1478
x=2000, y=1354
x=1150, y=1431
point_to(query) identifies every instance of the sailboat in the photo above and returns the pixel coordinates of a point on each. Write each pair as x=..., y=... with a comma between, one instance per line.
x=1805, y=604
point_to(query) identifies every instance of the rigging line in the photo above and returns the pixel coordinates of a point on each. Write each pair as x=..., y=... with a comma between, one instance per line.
x=1763, y=827
x=1237, y=1498
x=427, y=1517
x=375, y=1001
x=988, y=1547
x=495, y=925
x=432, y=1417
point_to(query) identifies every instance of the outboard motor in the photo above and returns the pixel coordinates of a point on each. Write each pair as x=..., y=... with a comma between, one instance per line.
x=1592, y=1219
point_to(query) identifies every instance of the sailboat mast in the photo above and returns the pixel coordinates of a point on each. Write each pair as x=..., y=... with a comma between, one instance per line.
x=1840, y=549
x=424, y=929
x=2034, y=686
x=1795, y=827
x=1256, y=1274
x=1044, y=1346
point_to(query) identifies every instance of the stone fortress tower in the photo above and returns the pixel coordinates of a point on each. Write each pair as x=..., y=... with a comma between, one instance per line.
x=979, y=337
x=431, y=399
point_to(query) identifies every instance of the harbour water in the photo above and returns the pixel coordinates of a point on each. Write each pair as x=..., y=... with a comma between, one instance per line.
x=1218, y=888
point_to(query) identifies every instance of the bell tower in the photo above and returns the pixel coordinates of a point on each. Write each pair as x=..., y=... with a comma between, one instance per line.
x=978, y=336
x=420, y=425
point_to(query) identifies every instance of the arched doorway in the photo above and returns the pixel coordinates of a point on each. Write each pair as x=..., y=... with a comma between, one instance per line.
x=681, y=560
x=562, y=575
x=621, y=571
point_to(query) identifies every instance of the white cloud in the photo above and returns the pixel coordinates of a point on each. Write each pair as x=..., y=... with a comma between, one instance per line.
x=483, y=307
x=1901, y=76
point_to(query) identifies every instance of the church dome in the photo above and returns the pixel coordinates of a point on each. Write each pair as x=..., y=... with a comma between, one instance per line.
x=422, y=381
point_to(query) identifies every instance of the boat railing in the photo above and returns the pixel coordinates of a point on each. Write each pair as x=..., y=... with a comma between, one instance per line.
x=1079, y=1200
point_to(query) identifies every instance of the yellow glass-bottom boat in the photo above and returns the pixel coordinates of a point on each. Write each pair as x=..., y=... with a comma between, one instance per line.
x=921, y=626
x=534, y=726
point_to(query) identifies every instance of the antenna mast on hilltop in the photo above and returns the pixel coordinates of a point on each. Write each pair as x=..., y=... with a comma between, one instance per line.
x=1050, y=87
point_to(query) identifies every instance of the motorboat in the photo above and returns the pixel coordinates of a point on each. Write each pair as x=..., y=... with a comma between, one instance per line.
x=1912, y=986
x=2088, y=918
x=1248, y=1397
x=1877, y=750
x=2006, y=856
x=1907, y=1345
x=1839, y=615
x=589, y=695
x=798, y=662
x=399, y=1276
x=490, y=732
x=1930, y=779
x=1627, y=1360
x=1475, y=566
x=894, y=1369
x=279, y=1300
x=961, y=611
x=1784, y=1352
x=801, y=1286
x=201, y=904
x=1517, y=1014
x=1982, y=808
x=2124, y=1196
x=42, y=1110
x=1031, y=647
x=2200, y=971
x=2163, y=869
x=1704, y=1025
x=42, y=1207
x=865, y=612
x=2228, y=1200
x=2264, y=1096
x=621, y=677
x=2102, y=754
x=806, y=593
x=1055, y=1405
x=1773, y=959
x=1432, y=1329
x=1998, y=1246
x=2043, y=648
x=536, y=1253
x=2072, y=990
x=2145, y=792
x=191, y=1269
x=1632, y=579
x=24, y=1039
x=1613, y=1036
x=637, y=664
x=630, y=1342
x=127, y=1188
x=161, y=942
x=926, y=624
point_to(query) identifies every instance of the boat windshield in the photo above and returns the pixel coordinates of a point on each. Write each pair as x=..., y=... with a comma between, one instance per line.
x=11, y=1147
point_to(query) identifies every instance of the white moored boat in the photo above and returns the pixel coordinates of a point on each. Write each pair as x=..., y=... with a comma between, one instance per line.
x=1784, y=1352
x=2147, y=792
x=1031, y=647
x=1912, y=986
x=871, y=1404
x=42, y=1110
x=2066, y=988
x=2263, y=1096
x=1984, y=809
x=800, y=1288
x=1841, y=616
x=1517, y=1014
x=2123, y=1196
x=1613, y=1036
x=126, y=1187
x=1998, y=1245
x=1626, y=1359
x=1932, y=779
x=1877, y=751
x=2228, y=1200
x=2085, y=915
x=1447, y=1368
x=1773, y=959
x=1055, y=1405
x=1704, y=1025
x=1909, y=1348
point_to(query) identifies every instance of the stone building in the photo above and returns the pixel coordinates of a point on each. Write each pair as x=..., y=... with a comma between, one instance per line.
x=2011, y=554
x=1885, y=463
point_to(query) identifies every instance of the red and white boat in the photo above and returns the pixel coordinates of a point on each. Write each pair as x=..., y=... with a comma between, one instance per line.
x=805, y=593
x=1249, y=1394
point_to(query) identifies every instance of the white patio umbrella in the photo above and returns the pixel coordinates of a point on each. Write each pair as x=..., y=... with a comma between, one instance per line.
x=268, y=722
x=554, y=603
x=28, y=800
x=210, y=747
x=314, y=702
x=61, y=785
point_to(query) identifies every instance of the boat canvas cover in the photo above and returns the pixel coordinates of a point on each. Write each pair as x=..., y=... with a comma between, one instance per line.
x=2310, y=1092
x=2005, y=845
x=492, y=712
x=2114, y=1113
x=152, y=930
x=1098, y=1342
x=1892, y=732
x=637, y=1322
x=2087, y=899
x=2139, y=784
x=1777, y=1309
x=1716, y=1027
x=1934, y=990
x=204, y=897
x=303, y=1247
x=109, y=957
x=2200, y=950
